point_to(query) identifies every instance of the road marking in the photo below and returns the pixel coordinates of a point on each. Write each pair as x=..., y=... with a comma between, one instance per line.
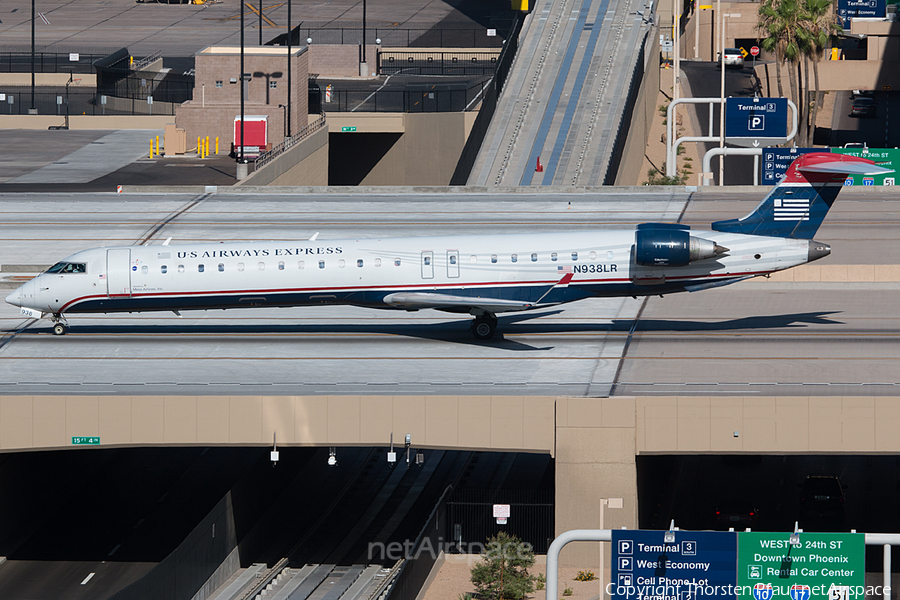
x=86, y=579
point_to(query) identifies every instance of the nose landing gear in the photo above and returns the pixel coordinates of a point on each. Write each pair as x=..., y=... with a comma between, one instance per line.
x=59, y=324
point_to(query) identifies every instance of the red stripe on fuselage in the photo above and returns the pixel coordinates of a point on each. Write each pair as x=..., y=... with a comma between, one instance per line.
x=71, y=303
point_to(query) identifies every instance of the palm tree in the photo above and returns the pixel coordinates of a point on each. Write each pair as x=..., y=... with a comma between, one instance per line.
x=821, y=26
x=780, y=30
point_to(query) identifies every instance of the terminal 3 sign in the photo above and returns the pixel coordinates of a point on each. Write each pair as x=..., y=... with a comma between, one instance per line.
x=696, y=565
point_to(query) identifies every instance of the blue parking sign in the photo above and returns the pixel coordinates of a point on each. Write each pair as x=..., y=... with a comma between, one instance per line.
x=695, y=564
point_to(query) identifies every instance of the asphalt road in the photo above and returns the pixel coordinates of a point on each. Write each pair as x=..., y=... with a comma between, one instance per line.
x=765, y=338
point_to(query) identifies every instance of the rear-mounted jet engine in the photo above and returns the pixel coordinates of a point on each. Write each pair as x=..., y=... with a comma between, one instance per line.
x=671, y=245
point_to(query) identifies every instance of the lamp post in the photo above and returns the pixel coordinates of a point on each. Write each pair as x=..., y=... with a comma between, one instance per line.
x=240, y=154
x=289, y=36
x=32, y=111
x=260, y=23
x=722, y=103
x=363, y=66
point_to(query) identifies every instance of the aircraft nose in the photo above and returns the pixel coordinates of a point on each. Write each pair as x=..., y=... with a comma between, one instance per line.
x=15, y=298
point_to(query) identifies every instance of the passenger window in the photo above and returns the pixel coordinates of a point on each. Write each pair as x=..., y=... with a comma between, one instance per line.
x=514, y=258
x=221, y=267
x=144, y=269
x=452, y=259
x=574, y=256
x=240, y=266
x=534, y=257
x=200, y=268
x=341, y=263
x=321, y=264
x=609, y=255
x=553, y=256
x=426, y=260
x=281, y=265
x=593, y=255
x=493, y=258
x=396, y=262
x=377, y=262
x=359, y=263
x=163, y=269
x=261, y=266
x=301, y=265
x=181, y=268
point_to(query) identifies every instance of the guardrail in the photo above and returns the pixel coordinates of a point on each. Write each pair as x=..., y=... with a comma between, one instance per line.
x=288, y=143
x=393, y=62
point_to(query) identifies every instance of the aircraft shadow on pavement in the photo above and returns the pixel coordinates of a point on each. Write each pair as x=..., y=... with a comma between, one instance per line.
x=458, y=331
x=789, y=321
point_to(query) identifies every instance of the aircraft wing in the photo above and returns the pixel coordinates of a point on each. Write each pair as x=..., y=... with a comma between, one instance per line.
x=417, y=300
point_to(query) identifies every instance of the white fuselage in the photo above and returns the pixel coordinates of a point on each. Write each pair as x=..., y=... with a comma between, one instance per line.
x=526, y=268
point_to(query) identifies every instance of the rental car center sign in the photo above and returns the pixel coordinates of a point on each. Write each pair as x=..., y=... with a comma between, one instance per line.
x=736, y=566
x=824, y=566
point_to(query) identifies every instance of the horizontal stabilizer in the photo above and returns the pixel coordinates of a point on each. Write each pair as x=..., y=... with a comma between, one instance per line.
x=430, y=300
x=846, y=168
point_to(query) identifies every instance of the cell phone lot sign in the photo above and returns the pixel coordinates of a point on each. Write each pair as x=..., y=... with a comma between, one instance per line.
x=695, y=565
x=823, y=566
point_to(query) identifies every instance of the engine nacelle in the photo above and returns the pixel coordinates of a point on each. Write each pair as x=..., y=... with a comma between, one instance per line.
x=671, y=245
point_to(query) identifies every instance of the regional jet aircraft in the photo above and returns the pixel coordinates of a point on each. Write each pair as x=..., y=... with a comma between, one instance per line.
x=480, y=275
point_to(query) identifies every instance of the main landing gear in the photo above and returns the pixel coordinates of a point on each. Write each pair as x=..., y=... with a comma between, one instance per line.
x=484, y=326
x=59, y=324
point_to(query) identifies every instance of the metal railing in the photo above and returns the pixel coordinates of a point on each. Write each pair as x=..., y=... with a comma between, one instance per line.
x=47, y=62
x=288, y=143
x=437, y=63
x=412, y=37
x=469, y=522
x=417, y=564
x=80, y=101
x=440, y=97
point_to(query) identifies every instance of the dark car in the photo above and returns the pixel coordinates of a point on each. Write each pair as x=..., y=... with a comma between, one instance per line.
x=822, y=497
x=862, y=106
x=738, y=515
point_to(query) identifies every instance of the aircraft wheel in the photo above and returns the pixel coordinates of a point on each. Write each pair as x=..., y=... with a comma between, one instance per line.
x=59, y=329
x=484, y=328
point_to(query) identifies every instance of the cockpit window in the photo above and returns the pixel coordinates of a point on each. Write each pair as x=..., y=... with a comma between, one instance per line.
x=67, y=267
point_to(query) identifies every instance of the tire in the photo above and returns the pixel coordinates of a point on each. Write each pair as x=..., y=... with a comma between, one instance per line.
x=59, y=329
x=484, y=329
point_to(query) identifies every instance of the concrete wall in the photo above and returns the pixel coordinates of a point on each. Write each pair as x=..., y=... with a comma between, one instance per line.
x=642, y=117
x=478, y=423
x=304, y=164
x=49, y=79
x=426, y=153
x=839, y=75
x=705, y=21
x=340, y=60
x=86, y=121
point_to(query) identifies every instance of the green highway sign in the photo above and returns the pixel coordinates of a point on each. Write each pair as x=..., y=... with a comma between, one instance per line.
x=348, y=128
x=883, y=157
x=823, y=566
x=85, y=441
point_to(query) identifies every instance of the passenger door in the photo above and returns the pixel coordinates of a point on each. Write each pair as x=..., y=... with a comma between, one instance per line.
x=118, y=273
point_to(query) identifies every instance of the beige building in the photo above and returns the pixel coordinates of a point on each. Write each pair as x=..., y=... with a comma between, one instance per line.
x=217, y=95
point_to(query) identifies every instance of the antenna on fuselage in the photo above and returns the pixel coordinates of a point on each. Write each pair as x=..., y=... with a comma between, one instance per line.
x=166, y=243
x=313, y=238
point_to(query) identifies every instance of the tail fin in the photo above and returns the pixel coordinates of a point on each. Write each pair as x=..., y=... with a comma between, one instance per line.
x=798, y=205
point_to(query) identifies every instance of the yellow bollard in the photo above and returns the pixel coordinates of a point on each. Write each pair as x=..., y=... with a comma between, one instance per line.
x=151, y=147
x=199, y=148
x=157, y=146
x=206, y=146
x=217, y=145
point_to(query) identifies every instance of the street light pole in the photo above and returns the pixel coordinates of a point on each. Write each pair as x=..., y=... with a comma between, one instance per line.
x=241, y=82
x=289, y=34
x=32, y=57
x=722, y=103
x=260, y=22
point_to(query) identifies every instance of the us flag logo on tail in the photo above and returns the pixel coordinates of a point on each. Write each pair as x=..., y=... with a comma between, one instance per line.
x=792, y=209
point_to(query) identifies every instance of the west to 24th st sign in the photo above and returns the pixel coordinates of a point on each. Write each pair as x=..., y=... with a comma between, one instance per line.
x=821, y=566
